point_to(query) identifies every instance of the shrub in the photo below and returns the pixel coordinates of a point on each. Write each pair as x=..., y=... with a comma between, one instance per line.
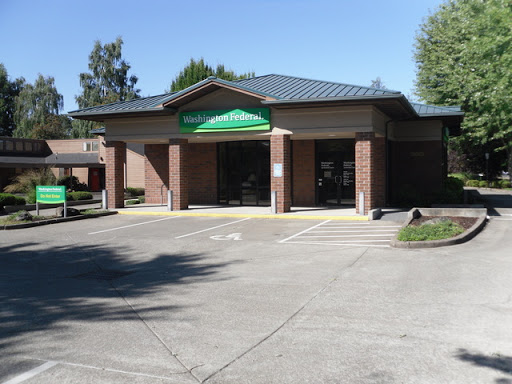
x=19, y=200
x=132, y=202
x=142, y=199
x=504, y=183
x=80, y=195
x=7, y=199
x=134, y=192
x=483, y=184
x=473, y=183
x=28, y=180
x=443, y=230
x=72, y=183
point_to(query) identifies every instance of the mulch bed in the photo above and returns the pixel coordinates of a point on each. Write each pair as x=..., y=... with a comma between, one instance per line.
x=464, y=222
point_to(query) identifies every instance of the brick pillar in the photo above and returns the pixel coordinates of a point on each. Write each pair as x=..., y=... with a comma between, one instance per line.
x=156, y=172
x=178, y=178
x=280, y=154
x=370, y=170
x=115, y=158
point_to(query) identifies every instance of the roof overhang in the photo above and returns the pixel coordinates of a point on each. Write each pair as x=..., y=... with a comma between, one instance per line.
x=104, y=115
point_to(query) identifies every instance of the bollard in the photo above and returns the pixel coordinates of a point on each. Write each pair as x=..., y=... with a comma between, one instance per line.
x=169, y=200
x=273, y=202
x=361, y=203
x=104, y=199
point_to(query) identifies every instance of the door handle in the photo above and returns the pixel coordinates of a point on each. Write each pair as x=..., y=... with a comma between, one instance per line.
x=337, y=179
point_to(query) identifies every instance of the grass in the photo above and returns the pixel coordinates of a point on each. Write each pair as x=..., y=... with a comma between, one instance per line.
x=427, y=232
x=92, y=211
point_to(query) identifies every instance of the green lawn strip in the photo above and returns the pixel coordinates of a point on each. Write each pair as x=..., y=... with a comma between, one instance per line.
x=426, y=232
x=11, y=219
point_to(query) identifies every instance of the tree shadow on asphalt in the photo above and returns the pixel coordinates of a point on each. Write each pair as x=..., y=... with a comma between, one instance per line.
x=496, y=362
x=42, y=289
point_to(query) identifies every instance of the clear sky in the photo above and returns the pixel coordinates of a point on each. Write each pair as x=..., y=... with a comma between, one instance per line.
x=348, y=41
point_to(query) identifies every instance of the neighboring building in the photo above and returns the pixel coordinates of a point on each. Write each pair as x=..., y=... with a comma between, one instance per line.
x=83, y=158
x=313, y=142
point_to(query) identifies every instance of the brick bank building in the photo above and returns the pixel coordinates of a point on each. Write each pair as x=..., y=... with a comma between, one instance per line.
x=315, y=143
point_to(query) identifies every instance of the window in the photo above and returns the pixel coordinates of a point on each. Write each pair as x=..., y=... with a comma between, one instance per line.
x=90, y=146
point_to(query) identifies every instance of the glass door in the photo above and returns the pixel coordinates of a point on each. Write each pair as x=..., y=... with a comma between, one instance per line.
x=335, y=172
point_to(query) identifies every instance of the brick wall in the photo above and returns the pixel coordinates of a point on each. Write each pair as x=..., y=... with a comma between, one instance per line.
x=178, y=175
x=156, y=169
x=280, y=154
x=202, y=173
x=370, y=170
x=115, y=154
x=303, y=172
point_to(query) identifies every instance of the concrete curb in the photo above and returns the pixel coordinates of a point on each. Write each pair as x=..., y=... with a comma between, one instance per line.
x=480, y=213
x=56, y=220
x=242, y=215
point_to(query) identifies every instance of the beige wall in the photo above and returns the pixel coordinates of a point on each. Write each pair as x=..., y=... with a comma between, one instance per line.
x=135, y=169
x=68, y=146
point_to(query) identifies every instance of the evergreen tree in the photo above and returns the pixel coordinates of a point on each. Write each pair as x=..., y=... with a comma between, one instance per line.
x=107, y=82
x=8, y=92
x=197, y=71
x=464, y=57
x=35, y=104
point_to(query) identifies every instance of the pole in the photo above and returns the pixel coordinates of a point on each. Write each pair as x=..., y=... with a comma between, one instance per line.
x=169, y=200
x=104, y=199
x=273, y=202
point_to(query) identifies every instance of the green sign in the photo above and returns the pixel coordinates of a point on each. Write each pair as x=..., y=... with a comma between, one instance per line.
x=50, y=194
x=228, y=120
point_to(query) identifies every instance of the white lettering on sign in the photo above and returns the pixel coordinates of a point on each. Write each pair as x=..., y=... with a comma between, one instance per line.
x=233, y=236
x=218, y=118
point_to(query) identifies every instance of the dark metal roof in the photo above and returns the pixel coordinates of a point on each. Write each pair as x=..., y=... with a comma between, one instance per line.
x=60, y=160
x=278, y=90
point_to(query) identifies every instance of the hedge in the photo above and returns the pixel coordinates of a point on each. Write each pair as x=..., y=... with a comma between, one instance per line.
x=9, y=199
x=82, y=195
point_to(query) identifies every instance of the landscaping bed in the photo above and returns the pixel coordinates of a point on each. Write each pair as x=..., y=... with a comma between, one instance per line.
x=436, y=227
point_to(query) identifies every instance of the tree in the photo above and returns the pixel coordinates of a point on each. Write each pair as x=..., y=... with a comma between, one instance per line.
x=197, y=71
x=55, y=127
x=378, y=83
x=464, y=57
x=35, y=104
x=107, y=82
x=8, y=92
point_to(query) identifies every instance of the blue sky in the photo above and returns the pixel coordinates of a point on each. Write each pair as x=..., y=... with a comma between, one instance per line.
x=348, y=41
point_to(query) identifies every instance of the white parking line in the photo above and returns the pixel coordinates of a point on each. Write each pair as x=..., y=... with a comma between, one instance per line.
x=337, y=243
x=370, y=230
x=209, y=229
x=30, y=374
x=304, y=231
x=133, y=225
x=322, y=236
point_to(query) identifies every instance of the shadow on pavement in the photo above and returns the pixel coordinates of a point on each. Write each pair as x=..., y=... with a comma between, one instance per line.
x=492, y=200
x=496, y=362
x=43, y=288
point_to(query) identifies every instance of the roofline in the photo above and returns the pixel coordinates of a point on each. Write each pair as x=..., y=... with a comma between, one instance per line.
x=80, y=114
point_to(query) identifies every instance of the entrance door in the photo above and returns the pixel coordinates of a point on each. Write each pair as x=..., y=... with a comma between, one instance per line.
x=244, y=173
x=335, y=172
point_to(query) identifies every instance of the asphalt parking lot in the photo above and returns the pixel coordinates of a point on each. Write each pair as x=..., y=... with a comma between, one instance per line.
x=242, y=300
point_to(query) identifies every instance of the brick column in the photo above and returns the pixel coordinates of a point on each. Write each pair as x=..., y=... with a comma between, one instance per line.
x=178, y=178
x=115, y=158
x=280, y=154
x=370, y=170
x=156, y=172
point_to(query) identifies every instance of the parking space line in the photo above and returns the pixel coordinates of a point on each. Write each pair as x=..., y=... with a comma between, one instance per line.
x=336, y=243
x=30, y=374
x=133, y=225
x=324, y=236
x=371, y=230
x=209, y=229
x=304, y=231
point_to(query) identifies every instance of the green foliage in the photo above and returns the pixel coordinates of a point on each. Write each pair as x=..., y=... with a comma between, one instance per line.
x=504, y=184
x=197, y=71
x=72, y=183
x=107, y=82
x=81, y=195
x=464, y=57
x=134, y=192
x=426, y=232
x=56, y=127
x=9, y=199
x=473, y=183
x=142, y=199
x=35, y=105
x=8, y=92
x=26, y=182
x=132, y=202
x=483, y=184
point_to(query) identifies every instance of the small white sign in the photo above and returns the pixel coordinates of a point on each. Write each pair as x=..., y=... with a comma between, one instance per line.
x=233, y=236
x=278, y=170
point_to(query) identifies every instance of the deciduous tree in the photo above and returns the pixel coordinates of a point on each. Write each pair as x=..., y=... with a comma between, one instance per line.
x=464, y=57
x=8, y=92
x=107, y=82
x=197, y=71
